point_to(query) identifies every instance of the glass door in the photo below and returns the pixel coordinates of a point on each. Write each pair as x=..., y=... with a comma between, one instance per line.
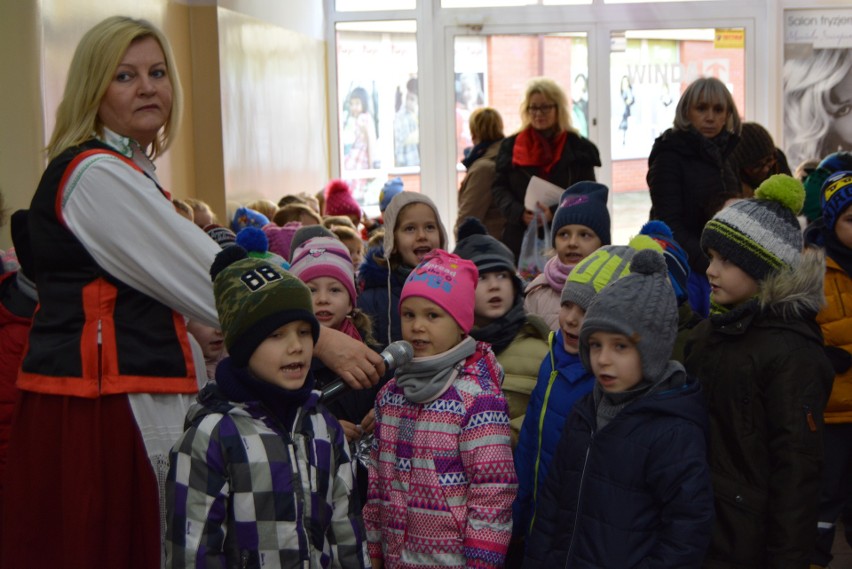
x=648, y=70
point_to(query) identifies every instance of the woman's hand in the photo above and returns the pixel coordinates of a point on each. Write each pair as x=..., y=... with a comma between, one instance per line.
x=351, y=430
x=527, y=217
x=368, y=425
x=351, y=360
x=545, y=212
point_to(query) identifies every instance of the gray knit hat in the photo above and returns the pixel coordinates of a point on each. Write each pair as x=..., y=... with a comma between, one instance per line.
x=760, y=235
x=641, y=306
x=488, y=254
x=398, y=202
x=603, y=266
x=307, y=232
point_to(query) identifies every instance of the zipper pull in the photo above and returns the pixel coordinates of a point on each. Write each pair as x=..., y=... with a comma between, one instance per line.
x=809, y=417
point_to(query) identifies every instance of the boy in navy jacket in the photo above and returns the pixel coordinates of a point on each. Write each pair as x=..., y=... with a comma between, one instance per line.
x=629, y=485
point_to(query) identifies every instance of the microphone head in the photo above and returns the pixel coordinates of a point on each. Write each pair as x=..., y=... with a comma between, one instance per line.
x=397, y=353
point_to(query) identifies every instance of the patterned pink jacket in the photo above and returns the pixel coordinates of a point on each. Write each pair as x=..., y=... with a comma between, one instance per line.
x=442, y=478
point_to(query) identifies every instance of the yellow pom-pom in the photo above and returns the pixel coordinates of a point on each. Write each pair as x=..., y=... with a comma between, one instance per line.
x=784, y=189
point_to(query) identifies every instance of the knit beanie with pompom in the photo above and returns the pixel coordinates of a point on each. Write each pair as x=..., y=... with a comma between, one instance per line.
x=760, y=235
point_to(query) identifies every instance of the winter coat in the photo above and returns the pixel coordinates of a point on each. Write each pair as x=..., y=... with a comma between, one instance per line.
x=16, y=316
x=633, y=494
x=244, y=490
x=687, y=319
x=442, y=479
x=475, y=194
x=562, y=381
x=373, y=297
x=540, y=299
x=521, y=361
x=836, y=323
x=766, y=380
x=689, y=179
x=577, y=163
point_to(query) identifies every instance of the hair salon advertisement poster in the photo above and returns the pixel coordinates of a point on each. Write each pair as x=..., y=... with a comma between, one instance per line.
x=817, y=83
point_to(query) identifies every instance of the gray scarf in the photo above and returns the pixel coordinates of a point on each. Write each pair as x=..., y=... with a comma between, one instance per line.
x=425, y=379
x=609, y=405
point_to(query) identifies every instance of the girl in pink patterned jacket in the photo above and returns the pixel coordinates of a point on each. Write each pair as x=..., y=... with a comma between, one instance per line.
x=442, y=479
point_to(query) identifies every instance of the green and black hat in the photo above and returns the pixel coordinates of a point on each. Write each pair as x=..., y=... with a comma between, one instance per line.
x=254, y=298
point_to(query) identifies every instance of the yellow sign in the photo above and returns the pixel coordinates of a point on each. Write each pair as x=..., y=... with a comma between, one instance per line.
x=729, y=38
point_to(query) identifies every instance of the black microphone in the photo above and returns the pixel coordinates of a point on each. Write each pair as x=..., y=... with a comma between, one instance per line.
x=396, y=354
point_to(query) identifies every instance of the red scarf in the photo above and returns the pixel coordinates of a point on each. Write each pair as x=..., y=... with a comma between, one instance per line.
x=532, y=149
x=347, y=327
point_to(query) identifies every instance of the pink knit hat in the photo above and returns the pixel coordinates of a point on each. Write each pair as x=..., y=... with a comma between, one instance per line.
x=339, y=199
x=447, y=280
x=280, y=237
x=324, y=257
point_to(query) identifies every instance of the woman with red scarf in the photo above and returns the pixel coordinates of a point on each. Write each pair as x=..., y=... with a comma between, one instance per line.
x=546, y=146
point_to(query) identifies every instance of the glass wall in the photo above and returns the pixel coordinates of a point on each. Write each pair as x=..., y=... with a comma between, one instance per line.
x=648, y=70
x=378, y=113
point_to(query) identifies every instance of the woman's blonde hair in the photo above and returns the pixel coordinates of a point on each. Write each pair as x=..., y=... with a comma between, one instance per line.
x=552, y=92
x=807, y=87
x=711, y=91
x=486, y=125
x=95, y=60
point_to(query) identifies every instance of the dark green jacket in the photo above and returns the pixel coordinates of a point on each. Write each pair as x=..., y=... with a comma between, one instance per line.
x=766, y=380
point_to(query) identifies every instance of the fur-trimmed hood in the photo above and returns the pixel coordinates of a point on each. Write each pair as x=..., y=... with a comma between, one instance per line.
x=795, y=292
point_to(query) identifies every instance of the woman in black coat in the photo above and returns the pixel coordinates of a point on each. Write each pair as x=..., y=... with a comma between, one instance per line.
x=689, y=174
x=546, y=146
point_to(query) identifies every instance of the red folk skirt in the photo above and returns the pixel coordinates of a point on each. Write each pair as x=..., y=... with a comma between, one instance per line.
x=80, y=491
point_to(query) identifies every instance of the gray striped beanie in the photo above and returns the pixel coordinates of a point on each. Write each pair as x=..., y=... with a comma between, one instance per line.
x=760, y=235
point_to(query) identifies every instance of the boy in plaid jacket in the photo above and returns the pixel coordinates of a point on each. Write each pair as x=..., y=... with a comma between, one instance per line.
x=262, y=477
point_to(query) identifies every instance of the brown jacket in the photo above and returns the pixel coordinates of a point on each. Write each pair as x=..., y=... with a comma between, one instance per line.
x=475, y=194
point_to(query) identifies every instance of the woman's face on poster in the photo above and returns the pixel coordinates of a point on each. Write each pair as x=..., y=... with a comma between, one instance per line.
x=839, y=106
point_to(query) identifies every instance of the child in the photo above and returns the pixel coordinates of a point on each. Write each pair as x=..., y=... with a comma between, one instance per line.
x=630, y=485
x=340, y=201
x=834, y=233
x=412, y=229
x=353, y=243
x=262, y=476
x=677, y=262
x=212, y=345
x=760, y=360
x=580, y=225
x=441, y=473
x=562, y=379
x=518, y=340
x=323, y=264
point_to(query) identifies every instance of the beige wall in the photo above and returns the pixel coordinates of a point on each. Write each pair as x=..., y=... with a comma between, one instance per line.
x=42, y=36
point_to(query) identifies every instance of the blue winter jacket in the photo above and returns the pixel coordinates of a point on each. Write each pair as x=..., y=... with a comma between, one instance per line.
x=635, y=494
x=551, y=401
x=373, y=297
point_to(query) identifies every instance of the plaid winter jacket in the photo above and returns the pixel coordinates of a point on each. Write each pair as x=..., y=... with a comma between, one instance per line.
x=245, y=491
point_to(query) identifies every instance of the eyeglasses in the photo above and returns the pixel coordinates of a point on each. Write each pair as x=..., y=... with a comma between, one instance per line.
x=543, y=109
x=767, y=163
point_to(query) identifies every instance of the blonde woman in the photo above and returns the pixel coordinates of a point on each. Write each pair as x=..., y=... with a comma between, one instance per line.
x=546, y=146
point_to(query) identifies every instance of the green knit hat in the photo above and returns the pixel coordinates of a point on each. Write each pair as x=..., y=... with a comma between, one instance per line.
x=605, y=265
x=254, y=298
